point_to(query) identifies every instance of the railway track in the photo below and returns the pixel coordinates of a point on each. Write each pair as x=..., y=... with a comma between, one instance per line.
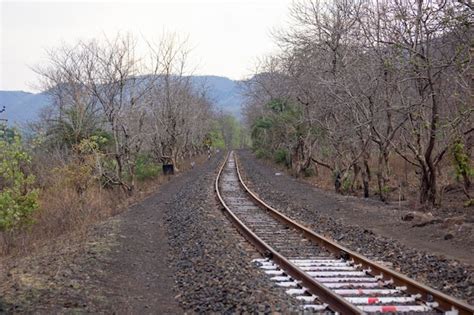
x=322, y=274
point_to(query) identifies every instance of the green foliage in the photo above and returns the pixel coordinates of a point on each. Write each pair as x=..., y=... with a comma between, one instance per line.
x=18, y=199
x=146, y=168
x=280, y=123
x=231, y=123
x=76, y=123
x=281, y=156
x=260, y=153
x=346, y=183
x=93, y=144
x=215, y=136
x=277, y=105
x=227, y=132
x=259, y=132
x=8, y=134
x=461, y=161
x=385, y=189
x=263, y=123
x=308, y=172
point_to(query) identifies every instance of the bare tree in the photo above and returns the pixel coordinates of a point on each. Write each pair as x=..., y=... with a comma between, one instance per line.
x=142, y=105
x=181, y=111
x=432, y=40
x=369, y=77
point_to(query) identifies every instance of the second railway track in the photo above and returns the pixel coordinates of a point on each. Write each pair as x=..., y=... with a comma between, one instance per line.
x=323, y=275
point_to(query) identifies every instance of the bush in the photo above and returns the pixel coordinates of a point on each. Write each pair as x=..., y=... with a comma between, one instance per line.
x=469, y=203
x=280, y=156
x=261, y=153
x=146, y=168
x=85, y=167
x=308, y=172
x=346, y=183
x=462, y=164
x=18, y=199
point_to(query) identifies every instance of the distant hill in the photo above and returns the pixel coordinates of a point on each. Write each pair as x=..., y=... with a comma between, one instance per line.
x=224, y=92
x=22, y=107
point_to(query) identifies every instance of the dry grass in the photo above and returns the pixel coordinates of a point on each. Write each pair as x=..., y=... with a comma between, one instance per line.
x=403, y=182
x=63, y=210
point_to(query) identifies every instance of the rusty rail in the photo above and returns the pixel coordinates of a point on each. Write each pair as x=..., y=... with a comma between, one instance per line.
x=335, y=302
x=446, y=303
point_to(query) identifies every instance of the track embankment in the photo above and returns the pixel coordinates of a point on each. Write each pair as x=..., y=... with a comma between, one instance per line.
x=368, y=227
x=174, y=252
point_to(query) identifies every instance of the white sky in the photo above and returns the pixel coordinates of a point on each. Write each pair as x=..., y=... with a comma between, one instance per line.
x=227, y=36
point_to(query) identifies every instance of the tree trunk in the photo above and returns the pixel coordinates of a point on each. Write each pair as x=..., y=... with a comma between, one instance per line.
x=381, y=183
x=298, y=158
x=174, y=159
x=429, y=176
x=365, y=182
x=366, y=177
x=428, y=191
x=357, y=170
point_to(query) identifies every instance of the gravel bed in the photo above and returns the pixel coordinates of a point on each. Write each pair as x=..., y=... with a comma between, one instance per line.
x=214, y=272
x=319, y=211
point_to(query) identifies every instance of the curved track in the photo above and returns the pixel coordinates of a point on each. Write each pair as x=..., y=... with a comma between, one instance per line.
x=322, y=274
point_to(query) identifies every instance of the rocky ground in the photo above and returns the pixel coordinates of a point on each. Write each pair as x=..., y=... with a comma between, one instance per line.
x=213, y=262
x=173, y=253
x=118, y=266
x=176, y=252
x=435, y=250
x=64, y=276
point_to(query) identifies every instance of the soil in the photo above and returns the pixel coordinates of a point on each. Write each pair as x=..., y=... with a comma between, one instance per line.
x=119, y=266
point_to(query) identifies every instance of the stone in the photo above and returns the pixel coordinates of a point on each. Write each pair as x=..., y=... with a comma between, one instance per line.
x=408, y=217
x=448, y=236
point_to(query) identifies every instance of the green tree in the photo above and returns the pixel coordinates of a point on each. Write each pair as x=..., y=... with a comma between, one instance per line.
x=281, y=132
x=462, y=165
x=73, y=125
x=18, y=199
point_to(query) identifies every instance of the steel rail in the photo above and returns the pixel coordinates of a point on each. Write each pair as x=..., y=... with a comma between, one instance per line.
x=446, y=303
x=335, y=302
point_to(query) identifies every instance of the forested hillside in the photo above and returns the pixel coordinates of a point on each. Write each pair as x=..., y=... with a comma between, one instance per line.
x=372, y=94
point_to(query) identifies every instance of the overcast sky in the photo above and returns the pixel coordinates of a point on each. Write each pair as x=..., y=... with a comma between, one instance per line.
x=226, y=36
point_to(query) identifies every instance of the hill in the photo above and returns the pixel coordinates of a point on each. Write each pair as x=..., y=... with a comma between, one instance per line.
x=22, y=107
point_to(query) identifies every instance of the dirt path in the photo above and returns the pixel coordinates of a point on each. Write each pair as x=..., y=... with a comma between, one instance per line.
x=119, y=266
x=155, y=258
x=138, y=273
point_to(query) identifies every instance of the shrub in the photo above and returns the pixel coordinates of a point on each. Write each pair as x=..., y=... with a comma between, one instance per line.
x=146, y=168
x=346, y=183
x=308, y=172
x=280, y=156
x=85, y=167
x=18, y=199
x=461, y=161
x=260, y=154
